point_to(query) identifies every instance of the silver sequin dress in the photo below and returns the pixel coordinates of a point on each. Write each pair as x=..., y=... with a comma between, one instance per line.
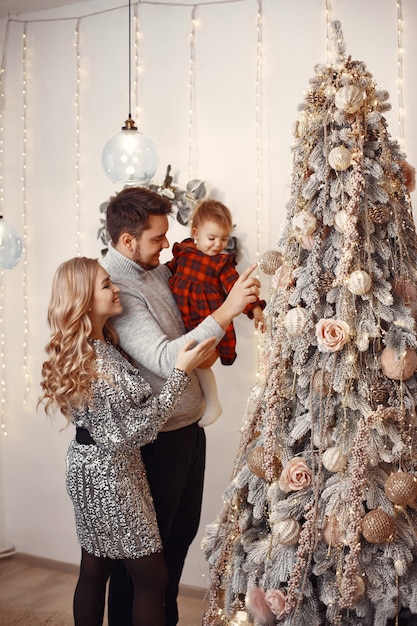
x=113, y=506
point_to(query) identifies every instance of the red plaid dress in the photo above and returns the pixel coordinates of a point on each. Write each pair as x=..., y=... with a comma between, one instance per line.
x=200, y=284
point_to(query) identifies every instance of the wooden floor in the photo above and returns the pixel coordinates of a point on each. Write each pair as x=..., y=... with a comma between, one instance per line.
x=39, y=584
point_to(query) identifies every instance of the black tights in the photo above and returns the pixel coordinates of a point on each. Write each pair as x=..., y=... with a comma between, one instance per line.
x=149, y=577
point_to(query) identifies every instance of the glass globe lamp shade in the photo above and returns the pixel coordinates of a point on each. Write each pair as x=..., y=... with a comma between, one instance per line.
x=129, y=158
x=11, y=245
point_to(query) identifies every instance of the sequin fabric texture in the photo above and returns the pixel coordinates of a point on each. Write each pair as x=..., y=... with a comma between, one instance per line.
x=113, y=507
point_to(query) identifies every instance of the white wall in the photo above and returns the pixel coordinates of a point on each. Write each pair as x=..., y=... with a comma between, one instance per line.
x=38, y=515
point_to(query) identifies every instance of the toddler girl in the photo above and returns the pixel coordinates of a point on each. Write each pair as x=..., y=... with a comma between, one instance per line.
x=202, y=276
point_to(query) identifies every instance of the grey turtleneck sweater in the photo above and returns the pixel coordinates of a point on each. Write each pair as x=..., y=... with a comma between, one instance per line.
x=151, y=330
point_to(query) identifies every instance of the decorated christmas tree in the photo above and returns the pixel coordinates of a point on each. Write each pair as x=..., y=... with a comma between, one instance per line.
x=319, y=523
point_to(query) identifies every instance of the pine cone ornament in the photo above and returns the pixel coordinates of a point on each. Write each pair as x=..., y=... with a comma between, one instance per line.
x=379, y=391
x=379, y=214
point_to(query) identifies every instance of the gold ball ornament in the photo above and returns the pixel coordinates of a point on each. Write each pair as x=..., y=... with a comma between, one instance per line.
x=257, y=463
x=359, y=282
x=377, y=526
x=270, y=261
x=334, y=459
x=349, y=98
x=340, y=158
x=401, y=488
x=304, y=223
x=398, y=367
x=286, y=532
x=295, y=321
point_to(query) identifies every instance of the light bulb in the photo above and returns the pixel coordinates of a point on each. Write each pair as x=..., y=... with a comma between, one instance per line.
x=129, y=158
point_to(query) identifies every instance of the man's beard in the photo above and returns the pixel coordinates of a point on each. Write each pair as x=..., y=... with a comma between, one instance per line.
x=146, y=266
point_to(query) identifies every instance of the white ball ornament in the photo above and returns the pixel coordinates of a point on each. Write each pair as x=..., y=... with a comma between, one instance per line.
x=359, y=282
x=334, y=459
x=295, y=321
x=349, y=98
x=340, y=158
x=304, y=223
x=341, y=220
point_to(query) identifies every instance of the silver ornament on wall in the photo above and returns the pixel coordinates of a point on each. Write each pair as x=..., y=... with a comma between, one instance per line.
x=11, y=245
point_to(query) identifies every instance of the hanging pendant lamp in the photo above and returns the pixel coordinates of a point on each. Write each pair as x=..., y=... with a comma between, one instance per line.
x=129, y=157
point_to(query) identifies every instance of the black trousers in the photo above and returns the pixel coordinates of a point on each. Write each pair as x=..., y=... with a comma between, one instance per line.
x=175, y=465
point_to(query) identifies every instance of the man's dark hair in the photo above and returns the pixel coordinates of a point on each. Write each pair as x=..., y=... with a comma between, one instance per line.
x=129, y=211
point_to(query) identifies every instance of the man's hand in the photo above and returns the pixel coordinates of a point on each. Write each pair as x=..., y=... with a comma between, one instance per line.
x=245, y=291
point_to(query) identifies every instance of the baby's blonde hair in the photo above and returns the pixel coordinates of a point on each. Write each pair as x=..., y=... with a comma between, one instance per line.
x=70, y=367
x=214, y=211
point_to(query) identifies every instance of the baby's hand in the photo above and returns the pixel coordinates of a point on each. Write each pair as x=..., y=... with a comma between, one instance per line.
x=258, y=318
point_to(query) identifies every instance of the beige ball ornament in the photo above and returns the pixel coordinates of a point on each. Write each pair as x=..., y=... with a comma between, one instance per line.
x=334, y=459
x=286, y=532
x=270, y=261
x=401, y=488
x=377, y=526
x=349, y=98
x=304, y=223
x=340, y=220
x=333, y=533
x=398, y=367
x=359, y=282
x=340, y=158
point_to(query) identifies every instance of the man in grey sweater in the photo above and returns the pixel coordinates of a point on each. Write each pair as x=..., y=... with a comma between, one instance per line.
x=151, y=332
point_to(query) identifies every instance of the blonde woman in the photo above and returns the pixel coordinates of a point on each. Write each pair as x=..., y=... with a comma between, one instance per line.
x=114, y=412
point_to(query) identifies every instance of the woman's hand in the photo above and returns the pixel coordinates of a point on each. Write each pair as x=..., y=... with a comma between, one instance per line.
x=245, y=291
x=191, y=357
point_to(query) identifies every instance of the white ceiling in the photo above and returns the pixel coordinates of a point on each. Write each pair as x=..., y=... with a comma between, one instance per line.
x=15, y=7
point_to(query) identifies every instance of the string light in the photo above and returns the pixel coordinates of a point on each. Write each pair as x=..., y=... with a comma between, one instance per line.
x=328, y=31
x=137, y=56
x=259, y=150
x=400, y=55
x=25, y=223
x=191, y=78
x=77, y=139
x=3, y=388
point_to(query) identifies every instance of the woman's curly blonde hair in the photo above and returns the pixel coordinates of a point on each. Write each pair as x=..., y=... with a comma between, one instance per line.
x=70, y=368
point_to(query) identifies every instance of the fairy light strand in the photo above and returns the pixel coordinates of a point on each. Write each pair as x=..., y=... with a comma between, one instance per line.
x=328, y=12
x=25, y=222
x=400, y=57
x=137, y=56
x=259, y=151
x=77, y=138
x=3, y=386
x=191, y=93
